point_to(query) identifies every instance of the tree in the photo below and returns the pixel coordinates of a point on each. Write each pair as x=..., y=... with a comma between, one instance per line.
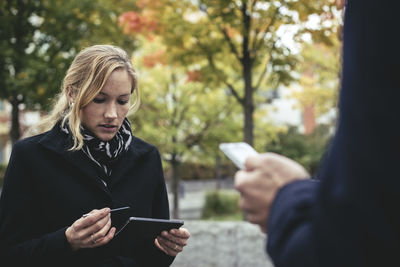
x=41, y=39
x=14, y=40
x=319, y=77
x=236, y=45
x=307, y=150
x=179, y=114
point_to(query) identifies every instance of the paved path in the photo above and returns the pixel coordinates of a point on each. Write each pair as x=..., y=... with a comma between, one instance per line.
x=223, y=244
x=217, y=244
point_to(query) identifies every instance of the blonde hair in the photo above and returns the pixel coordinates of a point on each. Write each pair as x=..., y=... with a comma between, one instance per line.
x=83, y=81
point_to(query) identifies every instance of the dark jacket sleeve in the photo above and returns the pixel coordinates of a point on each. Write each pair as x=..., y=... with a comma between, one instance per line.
x=289, y=225
x=353, y=218
x=20, y=241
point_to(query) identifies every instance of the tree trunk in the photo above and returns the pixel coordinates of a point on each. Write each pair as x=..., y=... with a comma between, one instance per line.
x=248, y=108
x=247, y=76
x=15, y=132
x=175, y=185
x=218, y=172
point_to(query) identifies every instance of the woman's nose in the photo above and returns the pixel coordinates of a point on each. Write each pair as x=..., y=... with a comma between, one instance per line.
x=111, y=111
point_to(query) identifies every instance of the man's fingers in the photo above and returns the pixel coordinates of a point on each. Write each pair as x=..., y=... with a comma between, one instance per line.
x=255, y=217
x=255, y=161
x=240, y=177
x=245, y=179
x=249, y=183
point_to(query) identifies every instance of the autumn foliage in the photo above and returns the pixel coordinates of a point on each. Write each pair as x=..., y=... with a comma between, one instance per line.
x=158, y=57
x=133, y=22
x=193, y=76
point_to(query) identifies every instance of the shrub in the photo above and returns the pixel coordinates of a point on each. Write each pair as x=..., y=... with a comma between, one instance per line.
x=221, y=204
x=308, y=150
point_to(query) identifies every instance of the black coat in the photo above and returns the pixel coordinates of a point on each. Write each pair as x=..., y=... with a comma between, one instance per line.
x=47, y=188
x=351, y=217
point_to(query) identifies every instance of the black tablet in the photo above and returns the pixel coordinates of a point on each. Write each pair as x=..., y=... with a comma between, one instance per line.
x=149, y=228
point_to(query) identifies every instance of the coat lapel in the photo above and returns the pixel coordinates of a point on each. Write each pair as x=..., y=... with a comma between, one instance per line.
x=56, y=141
x=127, y=161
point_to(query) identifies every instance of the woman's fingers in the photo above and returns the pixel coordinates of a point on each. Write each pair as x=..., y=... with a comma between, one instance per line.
x=172, y=242
x=96, y=236
x=177, y=236
x=98, y=227
x=168, y=246
x=91, y=230
x=159, y=246
x=104, y=239
x=92, y=218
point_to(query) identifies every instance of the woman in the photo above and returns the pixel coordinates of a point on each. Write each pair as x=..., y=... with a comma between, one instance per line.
x=86, y=163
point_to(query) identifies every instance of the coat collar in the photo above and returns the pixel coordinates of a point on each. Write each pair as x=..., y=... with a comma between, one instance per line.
x=59, y=142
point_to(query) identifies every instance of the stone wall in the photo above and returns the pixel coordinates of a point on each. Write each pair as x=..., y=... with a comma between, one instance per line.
x=223, y=244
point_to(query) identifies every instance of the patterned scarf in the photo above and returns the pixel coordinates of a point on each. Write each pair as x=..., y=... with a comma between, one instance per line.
x=105, y=153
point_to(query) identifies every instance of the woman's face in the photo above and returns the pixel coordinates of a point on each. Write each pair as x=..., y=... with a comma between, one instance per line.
x=105, y=114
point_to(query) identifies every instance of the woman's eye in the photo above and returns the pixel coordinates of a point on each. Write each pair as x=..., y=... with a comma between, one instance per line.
x=98, y=100
x=122, y=102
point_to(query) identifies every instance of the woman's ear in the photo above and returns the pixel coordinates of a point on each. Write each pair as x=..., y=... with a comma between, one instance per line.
x=70, y=95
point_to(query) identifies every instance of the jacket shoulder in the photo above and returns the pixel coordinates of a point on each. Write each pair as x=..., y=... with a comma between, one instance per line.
x=142, y=147
x=28, y=142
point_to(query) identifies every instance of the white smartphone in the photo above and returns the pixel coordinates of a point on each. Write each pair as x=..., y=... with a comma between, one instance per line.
x=237, y=152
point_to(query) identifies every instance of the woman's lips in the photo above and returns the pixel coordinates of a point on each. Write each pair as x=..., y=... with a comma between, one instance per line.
x=108, y=127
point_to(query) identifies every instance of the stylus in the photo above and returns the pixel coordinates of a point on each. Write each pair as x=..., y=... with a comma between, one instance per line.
x=122, y=208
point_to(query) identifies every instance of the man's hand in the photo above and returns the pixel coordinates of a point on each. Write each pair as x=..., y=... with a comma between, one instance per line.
x=258, y=184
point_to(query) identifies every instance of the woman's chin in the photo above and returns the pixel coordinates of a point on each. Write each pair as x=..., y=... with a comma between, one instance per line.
x=105, y=136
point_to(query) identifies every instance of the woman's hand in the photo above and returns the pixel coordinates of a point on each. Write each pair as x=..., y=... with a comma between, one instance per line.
x=91, y=231
x=172, y=242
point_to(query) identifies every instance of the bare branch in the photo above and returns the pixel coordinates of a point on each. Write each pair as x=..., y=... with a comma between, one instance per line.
x=231, y=44
x=226, y=35
x=181, y=115
x=253, y=4
x=264, y=32
x=212, y=65
x=234, y=93
x=194, y=139
x=262, y=76
x=230, y=86
x=235, y=4
x=264, y=72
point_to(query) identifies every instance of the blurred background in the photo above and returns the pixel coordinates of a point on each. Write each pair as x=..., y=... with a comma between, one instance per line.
x=210, y=71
